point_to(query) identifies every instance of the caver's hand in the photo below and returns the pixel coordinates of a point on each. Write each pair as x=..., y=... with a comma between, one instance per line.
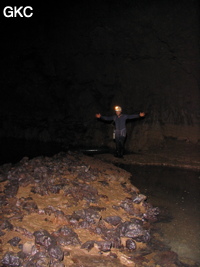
x=142, y=114
x=98, y=116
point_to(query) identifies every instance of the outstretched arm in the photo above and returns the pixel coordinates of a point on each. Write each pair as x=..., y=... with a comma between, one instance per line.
x=135, y=116
x=106, y=118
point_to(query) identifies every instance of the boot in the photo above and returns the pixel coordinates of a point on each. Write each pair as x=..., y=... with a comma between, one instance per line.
x=121, y=152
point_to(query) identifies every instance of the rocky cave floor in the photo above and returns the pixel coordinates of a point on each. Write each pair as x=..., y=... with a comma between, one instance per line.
x=75, y=210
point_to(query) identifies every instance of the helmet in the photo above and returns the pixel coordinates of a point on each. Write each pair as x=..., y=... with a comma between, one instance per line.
x=118, y=108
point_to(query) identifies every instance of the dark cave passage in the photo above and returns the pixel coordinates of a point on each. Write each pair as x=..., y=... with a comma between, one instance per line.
x=13, y=150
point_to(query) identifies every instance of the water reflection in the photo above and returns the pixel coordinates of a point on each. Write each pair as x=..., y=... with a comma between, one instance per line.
x=176, y=192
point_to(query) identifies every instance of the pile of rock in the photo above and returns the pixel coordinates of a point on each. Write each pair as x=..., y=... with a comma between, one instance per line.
x=73, y=210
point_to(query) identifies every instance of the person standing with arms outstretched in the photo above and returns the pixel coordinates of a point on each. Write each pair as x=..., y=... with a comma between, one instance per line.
x=120, y=127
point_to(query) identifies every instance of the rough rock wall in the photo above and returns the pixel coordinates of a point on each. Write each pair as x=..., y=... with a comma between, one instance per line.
x=88, y=57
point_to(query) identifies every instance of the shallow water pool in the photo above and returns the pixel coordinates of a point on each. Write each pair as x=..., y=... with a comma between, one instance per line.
x=177, y=193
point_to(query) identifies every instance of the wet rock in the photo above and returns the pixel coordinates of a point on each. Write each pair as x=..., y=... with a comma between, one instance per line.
x=25, y=179
x=138, y=198
x=87, y=176
x=23, y=231
x=116, y=242
x=59, y=214
x=14, y=241
x=11, y=189
x=135, y=231
x=84, y=225
x=151, y=213
x=137, y=221
x=66, y=236
x=130, y=244
x=55, y=189
x=127, y=205
x=17, y=213
x=98, y=230
x=73, y=219
x=27, y=204
x=47, y=211
x=145, y=238
x=5, y=224
x=22, y=255
x=40, y=172
x=41, y=190
x=90, y=215
x=88, y=245
x=40, y=259
x=11, y=259
x=113, y=220
x=112, y=235
x=35, y=249
x=44, y=238
x=30, y=206
x=104, y=245
x=56, y=252
x=21, y=174
x=83, y=192
x=65, y=231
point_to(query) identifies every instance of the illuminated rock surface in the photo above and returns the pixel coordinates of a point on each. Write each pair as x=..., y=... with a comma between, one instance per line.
x=73, y=210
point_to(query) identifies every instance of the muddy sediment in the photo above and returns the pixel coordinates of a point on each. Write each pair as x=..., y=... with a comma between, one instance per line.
x=74, y=210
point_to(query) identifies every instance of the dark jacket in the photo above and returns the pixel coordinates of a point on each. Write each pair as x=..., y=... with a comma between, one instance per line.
x=120, y=121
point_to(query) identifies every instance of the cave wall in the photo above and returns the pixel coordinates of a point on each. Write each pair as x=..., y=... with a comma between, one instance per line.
x=85, y=58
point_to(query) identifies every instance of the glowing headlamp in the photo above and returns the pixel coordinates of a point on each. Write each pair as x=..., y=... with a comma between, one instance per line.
x=118, y=108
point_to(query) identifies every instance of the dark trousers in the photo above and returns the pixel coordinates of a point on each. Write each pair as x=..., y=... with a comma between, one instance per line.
x=120, y=145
